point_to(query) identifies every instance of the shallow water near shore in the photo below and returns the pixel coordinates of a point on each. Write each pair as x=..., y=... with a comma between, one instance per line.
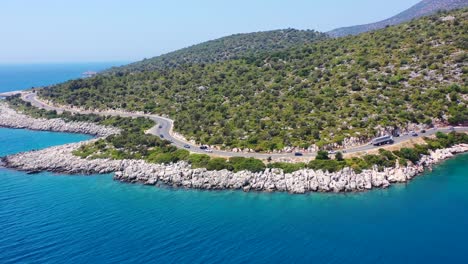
x=17, y=140
x=50, y=218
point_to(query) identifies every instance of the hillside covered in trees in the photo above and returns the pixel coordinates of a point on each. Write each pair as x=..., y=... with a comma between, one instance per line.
x=423, y=8
x=313, y=94
x=226, y=48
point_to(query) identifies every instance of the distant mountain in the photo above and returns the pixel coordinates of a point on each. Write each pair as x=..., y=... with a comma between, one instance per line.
x=226, y=48
x=423, y=8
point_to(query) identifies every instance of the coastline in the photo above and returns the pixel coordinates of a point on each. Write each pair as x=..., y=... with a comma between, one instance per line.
x=10, y=118
x=60, y=159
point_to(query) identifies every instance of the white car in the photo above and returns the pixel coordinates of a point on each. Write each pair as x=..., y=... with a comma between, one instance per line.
x=209, y=150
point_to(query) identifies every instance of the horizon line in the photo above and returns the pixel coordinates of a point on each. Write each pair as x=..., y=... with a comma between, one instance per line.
x=65, y=62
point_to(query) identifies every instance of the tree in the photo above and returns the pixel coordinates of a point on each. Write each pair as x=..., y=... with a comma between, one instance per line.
x=250, y=164
x=410, y=154
x=322, y=155
x=199, y=160
x=217, y=164
x=339, y=156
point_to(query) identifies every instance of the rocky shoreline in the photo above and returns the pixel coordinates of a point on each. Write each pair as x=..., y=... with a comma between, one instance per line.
x=10, y=118
x=60, y=159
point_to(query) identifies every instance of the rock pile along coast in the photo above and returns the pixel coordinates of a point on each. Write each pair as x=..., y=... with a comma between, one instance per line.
x=12, y=119
x=60, y=159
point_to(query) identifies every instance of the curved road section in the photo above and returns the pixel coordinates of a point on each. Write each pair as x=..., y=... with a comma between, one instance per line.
x=165, y=125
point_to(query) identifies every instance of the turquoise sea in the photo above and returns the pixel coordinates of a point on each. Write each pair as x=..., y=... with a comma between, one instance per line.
x=50, y=218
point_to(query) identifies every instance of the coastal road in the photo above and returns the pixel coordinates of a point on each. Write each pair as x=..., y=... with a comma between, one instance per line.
x=165, y=125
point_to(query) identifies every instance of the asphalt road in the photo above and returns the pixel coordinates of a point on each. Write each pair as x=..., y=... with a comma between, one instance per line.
x=164, y=129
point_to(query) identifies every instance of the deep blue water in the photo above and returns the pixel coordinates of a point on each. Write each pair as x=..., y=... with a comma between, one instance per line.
x=24, y=76
x=49, y=218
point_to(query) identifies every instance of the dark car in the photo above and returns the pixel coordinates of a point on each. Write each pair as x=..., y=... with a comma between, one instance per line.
x=414, y=134
x=298, y=154
x=161, y=136
x=186, y=146
x=423, y=131
x=203, y=147
x=160, y=126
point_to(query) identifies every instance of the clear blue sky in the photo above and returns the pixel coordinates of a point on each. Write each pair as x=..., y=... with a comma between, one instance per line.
x=128, y=30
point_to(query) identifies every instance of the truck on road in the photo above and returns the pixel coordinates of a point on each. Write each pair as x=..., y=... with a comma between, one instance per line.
x=383, y=140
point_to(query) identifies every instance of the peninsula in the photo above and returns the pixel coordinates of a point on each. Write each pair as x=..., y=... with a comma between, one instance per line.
x=62, y=159
x=299, y=118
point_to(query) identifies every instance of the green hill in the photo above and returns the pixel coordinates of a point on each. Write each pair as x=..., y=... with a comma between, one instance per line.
x=313, y=94
x=226, y=48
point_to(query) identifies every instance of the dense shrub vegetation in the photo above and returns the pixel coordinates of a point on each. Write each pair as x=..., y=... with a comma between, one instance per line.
x=316, y=93
x=153, y=150
x=226, y=48
x=130, y=125
x=133, y=143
